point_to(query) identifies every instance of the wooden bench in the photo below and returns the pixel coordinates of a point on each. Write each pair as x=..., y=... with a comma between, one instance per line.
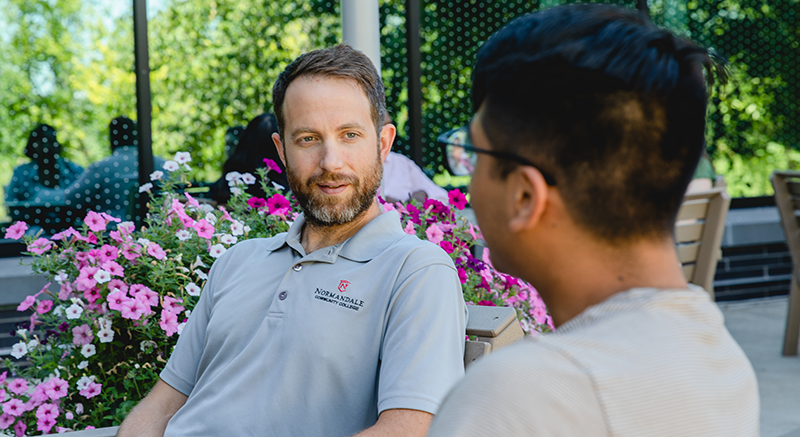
x=787, y=198
x=698, y=235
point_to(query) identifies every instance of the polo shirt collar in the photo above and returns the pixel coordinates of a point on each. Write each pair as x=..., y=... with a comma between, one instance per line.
x=367, y=243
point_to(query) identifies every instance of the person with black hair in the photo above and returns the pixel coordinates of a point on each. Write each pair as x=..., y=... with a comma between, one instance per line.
x=47, y=169
x=254, y=145
x=108, y=185
x=589, y=125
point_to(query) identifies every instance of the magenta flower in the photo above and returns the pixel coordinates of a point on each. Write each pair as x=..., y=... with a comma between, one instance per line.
x=92, y=389
x=434, y=234
x=256, y=202
x=156, y=251
x=56, y=389
x=95, y=221
x=18, y=386
x=457, y=199
x=92, y=294
x=16, y=231
x=44, y=306
x=27, y=303
x=413, y=214
x=14, y=407
x=487, y=303
x=277, y=202
x=169, y=322
x=204, y=229
x=117, y=299
x=462, y=275
x=40, y=246
x=447, y=246
x=82, y=335
x=272, y=165
x=6, y=420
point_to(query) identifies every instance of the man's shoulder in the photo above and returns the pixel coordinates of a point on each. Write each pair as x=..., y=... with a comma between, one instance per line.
x=416, y=252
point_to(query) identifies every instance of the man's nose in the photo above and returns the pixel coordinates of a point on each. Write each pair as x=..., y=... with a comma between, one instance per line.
x=331, y=157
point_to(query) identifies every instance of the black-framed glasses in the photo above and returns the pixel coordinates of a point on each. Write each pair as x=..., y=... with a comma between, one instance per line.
x=461, y=156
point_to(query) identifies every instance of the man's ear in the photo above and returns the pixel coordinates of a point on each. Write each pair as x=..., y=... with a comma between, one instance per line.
x=388, y=131
x=529, y=198
x=276, y=138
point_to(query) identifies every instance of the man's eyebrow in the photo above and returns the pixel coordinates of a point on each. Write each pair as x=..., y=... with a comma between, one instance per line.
x=351, y=126
x=300, y=130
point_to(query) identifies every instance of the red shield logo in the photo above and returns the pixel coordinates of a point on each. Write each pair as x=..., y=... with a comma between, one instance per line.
x=343, y=285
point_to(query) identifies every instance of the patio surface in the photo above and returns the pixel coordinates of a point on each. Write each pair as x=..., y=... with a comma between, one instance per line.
x=758, y=325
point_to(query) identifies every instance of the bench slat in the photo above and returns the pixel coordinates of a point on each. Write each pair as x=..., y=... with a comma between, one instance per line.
x=693, y=209
x=689, y=232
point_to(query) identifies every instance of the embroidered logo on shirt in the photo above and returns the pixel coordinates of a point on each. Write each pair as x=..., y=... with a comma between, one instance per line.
x=338, y=299
x=343, y=285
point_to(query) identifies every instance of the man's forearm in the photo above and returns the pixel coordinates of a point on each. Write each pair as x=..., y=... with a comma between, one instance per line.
x=150, y=417
x=399, y=423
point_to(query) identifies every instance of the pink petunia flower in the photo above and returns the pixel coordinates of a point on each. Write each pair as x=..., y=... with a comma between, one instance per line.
x=47, y=410
x=110, y=218
x=69, y=232
x=27, y=303
x=92, y=389
x=56, y=388
x=434, y=234
x=82, y=335
x=14, y=407
x=40, y=246
x=169, y=322
x=225, y=215
x=116, y=299
x=457, y=199
x=44, y=306
x=18, y=386
x=144, y=294
x=95, y=221
x=171, y=304
x=272, y=165
x=45, y=424
x=92, y=294
x=118, y=284
x=133, y=309
x=154, y=250
x=409, y=229
x=86, y=278
x=113, y=268
x=16, y=231
x=204, y=229
x=191, y=200
x=6, y=420
x=132, y=251
x=19, y=428
x=107, y=253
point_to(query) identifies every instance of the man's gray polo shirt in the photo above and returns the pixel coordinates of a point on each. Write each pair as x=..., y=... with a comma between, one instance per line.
x=283, y=343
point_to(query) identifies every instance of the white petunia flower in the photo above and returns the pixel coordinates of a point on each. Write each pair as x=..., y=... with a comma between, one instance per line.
x=216, y=250
x=19, y=350
x=103, y=322
x=82, y=365
x=232, y=176
x=88, y=350
x=248, y=179
x=211, y=218
x=236, y=191
x=156, y=175
x=33, y=343
x=61, y=276
x=247, y=228
x=237, y=228
x=187, y=313
x=83, y=382
x=146, y=187
x=228, y=239
x=105, y=335
x=180, y=327
x=206, y=208
x=182, y=157
x=278, y=186
x=147, y=344
x=59, y=311
x=102, y=276
x=193, y=289
x=183, y=235
x=144, y=242
x=74, y=311
x=170, y=166
x=200, y=274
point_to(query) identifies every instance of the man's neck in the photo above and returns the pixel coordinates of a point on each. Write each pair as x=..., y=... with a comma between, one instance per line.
x=576, y=276
x=313, y=237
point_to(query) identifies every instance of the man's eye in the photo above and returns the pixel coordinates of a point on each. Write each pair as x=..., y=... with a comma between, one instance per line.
x=306, y=139
x=351, y=135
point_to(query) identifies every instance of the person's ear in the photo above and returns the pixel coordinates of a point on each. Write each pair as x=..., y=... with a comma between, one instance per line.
x=388, y=131
x=529, y=193
x=276, y=138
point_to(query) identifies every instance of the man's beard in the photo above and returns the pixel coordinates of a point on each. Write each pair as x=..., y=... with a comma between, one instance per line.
x=322, y=210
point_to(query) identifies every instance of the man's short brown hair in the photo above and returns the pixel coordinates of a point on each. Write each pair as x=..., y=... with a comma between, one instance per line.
x=341, y=61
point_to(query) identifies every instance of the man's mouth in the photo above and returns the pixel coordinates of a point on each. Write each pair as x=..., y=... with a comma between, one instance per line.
x=332, y=188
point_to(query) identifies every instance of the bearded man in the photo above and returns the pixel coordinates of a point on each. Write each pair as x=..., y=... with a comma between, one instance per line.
x=343, y=325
